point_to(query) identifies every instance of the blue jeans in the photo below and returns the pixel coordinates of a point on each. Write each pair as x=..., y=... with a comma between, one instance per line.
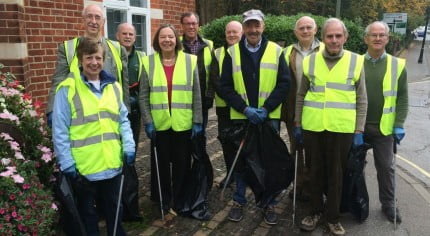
x=109, y=191
x=239, y=194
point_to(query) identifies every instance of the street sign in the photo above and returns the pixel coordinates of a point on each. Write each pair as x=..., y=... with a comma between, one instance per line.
x=396, y=22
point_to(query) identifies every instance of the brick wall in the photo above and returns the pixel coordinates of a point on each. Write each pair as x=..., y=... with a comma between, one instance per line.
x=36, y=27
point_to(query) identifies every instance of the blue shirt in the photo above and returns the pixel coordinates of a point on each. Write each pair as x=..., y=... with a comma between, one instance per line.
x=61, y=123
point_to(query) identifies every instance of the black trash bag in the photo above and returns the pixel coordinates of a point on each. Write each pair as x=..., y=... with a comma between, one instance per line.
x=234, y=133
x=355, y=198
x=269, y=167
x=199, y=182
x=130, y=198
x=70, y=218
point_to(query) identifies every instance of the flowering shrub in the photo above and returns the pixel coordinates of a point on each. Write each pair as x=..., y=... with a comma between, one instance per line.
x=26, y=170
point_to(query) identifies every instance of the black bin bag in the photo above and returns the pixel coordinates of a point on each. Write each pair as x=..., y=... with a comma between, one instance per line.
x=199, y=181
x=355, y=198
x=130, y=198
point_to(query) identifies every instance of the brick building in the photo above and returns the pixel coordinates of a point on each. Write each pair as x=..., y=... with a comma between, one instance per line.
x=30, y=31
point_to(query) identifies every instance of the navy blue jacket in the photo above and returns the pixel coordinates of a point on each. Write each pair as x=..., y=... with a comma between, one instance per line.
x=251, y=74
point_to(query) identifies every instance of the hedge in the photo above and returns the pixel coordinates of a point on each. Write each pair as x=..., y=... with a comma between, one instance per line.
x=280, y=29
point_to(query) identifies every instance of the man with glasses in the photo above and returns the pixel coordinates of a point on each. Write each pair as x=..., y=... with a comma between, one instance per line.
x=387, y=93
x=115, y=58
x=193, y=43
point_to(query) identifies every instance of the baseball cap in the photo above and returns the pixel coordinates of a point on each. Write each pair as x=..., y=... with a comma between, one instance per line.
x=253, y=15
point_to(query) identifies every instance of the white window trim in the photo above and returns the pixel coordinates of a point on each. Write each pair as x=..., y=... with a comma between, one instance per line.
x=131, y=10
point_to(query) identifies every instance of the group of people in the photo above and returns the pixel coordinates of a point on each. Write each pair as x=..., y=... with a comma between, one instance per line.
x=331, y=100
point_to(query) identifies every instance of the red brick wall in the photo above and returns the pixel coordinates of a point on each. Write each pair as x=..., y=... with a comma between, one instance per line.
x=43, y=24
x=172, y=11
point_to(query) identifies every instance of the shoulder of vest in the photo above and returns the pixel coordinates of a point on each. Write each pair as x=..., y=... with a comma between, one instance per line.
x=140, y=53
x=116, y=44
x=209, y=43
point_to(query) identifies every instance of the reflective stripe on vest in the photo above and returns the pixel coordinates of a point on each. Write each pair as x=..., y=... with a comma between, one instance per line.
x=219, y=55
x=330, y=102
x=395, y=66
x=140, y=55
x=73, y=62
x=287, y=53
x=180, y=116
x=94, y=131
x=268, y=70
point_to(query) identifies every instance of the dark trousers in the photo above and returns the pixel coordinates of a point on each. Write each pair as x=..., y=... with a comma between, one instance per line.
x=136, y=124
x=303, y=162
x=328, y=152
x=173, y=148
x=224, y=122
x=108, y=190
x=384, y=162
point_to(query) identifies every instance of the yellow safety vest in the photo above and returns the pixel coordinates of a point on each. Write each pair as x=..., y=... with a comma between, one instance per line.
x=268, y=76
x=395, y=67
x=289, y=49
x=207, y=57
x=330, y=103
x=140, y=55
x=94, y=130
x=219, y=55
x=72, y=59
x=180, y=115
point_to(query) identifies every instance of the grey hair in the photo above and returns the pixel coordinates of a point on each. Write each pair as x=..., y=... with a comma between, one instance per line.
x=331, y=21
x=306, y=17
x=386, y=27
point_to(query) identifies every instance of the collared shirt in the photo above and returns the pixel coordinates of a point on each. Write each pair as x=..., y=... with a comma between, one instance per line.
x=251, y=48
x=374, y=60
x=61, y=124
x=193, y=45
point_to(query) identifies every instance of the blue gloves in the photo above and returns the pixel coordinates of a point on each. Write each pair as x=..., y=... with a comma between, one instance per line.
x=357, y=140
x=399, y=134
x=150, y=130
x=262, y=114
x=129, y=157
x=196, y=130
x=298, y=134
x=49, y=119
x=71, y=172
x=252, y=115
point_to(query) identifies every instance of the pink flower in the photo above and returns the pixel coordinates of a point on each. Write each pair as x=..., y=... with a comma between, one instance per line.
x=25, y=186
x=47, y=157
x=53, y=206
x=12, y=197
x=14, y=214
x=6, y=136
x=26, y=96
x=19, y=156
x=10, y=170
x=9, y=116
x=2, y=211
x=18, y=179
x=20, y=227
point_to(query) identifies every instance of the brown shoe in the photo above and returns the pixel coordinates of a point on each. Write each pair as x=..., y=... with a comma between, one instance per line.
x=336, y=229
x=309, y=223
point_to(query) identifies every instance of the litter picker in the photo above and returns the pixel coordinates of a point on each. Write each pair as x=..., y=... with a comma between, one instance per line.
x=158, y=181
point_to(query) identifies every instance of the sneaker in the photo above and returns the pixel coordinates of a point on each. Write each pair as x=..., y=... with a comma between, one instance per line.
x=270, y=216
x=389, y=213
x=236, y=212
x=336, y=229
x=309, y=223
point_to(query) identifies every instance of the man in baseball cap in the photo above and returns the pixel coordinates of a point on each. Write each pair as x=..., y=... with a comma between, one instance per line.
x=242, y=91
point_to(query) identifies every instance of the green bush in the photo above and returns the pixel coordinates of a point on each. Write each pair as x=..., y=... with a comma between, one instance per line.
x=280, y=29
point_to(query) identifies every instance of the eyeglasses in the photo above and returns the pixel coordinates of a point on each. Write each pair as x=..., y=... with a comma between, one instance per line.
x=91, y=16
x=191, y=24
x=377, y=35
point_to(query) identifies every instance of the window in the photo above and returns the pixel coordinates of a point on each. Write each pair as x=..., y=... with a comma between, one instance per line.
x=135, y=12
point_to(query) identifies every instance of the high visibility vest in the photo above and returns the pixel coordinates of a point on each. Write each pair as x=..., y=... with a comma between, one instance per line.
x=207, y=57
x=94, y=130
x=180, y=116
x=140, y=55
x=219, y=55
x=73, y=62
x=330, y=102
x=268, y=75
x=288, y=50
x=395, y=66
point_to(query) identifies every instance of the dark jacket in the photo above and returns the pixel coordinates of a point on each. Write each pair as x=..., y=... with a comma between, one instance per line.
x=251, y=76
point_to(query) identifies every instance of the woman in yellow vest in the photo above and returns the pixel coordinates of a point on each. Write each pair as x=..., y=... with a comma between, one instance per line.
x=170, y=103
x=92, y=136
